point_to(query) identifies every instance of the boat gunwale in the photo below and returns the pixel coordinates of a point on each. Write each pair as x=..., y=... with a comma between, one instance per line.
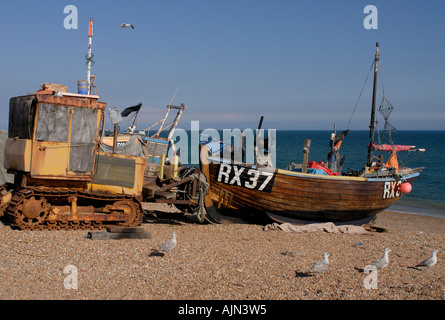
x=215, y=160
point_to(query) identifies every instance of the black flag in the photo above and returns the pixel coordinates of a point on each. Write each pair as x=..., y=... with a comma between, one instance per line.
x=129, y=110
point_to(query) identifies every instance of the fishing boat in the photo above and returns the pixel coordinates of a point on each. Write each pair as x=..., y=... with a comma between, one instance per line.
x=127, y=142
x=310, y=191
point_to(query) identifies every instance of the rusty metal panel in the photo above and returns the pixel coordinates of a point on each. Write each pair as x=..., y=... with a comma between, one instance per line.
x=18, y=154
x=53, y=122
x=84, y=131
x=71, y=101
x=49, y=159
x=107, y=187
x=21, y=117
x=114, y=170
x=50, y=148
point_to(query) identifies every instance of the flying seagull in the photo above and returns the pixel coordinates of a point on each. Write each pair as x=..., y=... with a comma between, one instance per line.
x=322, y=265
x=383, y=262
x=430, y=261
x=168, y=245
x=126, y=25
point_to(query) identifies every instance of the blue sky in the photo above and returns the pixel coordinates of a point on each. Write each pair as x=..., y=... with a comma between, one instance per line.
x=300, y=64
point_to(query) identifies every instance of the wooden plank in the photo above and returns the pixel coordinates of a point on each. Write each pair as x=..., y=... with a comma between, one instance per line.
x=78, y=95
x=101, y=235
x=297, y=201
x=174, y=184
x=116, y=229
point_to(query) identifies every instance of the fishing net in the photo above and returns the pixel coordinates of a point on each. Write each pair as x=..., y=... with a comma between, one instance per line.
x=389, y=131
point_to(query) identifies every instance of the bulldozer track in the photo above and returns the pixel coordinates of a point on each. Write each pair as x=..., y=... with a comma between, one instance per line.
x=37, y=208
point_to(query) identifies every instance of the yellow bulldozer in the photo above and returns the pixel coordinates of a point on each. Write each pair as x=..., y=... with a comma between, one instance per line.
x=66, y=177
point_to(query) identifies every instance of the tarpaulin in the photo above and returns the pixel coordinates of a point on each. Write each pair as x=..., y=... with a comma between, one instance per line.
x=314, y=227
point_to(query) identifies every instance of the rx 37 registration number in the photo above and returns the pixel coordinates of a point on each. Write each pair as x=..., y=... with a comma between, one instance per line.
x=245, y=177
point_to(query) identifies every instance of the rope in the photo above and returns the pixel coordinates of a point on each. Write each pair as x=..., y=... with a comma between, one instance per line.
x=361, y=92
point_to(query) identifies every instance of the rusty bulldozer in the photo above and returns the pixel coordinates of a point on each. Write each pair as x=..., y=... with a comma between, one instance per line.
x=67, y=177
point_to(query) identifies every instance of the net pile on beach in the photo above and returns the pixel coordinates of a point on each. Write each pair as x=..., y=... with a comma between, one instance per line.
x=314, y=227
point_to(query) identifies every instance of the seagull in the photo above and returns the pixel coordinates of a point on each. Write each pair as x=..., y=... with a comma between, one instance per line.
x=430, y=261
x=125, y=25
x=383, y=262
x=168, y=245
x=322, y=265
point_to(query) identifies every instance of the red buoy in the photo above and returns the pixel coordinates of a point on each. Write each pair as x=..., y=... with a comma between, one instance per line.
x=406, y=187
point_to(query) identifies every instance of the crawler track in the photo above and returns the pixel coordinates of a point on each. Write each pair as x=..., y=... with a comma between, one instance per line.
x=37, y=208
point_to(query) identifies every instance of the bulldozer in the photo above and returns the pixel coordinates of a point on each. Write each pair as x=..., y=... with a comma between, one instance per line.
x=67, y=177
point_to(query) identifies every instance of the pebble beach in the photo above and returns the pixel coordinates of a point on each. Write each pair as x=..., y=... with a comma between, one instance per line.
x=229, y=261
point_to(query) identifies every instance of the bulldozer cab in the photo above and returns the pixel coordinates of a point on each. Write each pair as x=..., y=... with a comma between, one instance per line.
x=53, y=137
x=53, y=140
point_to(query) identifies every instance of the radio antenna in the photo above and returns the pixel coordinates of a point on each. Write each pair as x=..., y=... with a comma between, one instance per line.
x=174, y=95
x=89, y=56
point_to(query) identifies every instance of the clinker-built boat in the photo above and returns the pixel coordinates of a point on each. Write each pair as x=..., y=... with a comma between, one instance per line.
x=311, y=191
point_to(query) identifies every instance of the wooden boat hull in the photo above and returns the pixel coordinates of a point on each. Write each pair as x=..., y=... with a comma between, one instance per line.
x=302, y=196
x=299, y=196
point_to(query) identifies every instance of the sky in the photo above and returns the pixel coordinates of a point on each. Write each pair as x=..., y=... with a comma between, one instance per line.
x=299, y=63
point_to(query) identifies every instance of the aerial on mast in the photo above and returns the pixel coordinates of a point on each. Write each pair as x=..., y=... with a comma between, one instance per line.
x=89, y=56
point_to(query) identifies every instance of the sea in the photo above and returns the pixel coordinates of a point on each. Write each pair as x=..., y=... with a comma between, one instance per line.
x=427, y=197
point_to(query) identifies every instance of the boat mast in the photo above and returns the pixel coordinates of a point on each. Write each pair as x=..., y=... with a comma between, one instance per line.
x=374, y=94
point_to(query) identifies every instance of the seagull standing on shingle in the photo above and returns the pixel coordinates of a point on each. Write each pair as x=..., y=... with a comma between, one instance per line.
x=322, y=265
x=383, y=262
x=168, y=245
x=430, y=261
